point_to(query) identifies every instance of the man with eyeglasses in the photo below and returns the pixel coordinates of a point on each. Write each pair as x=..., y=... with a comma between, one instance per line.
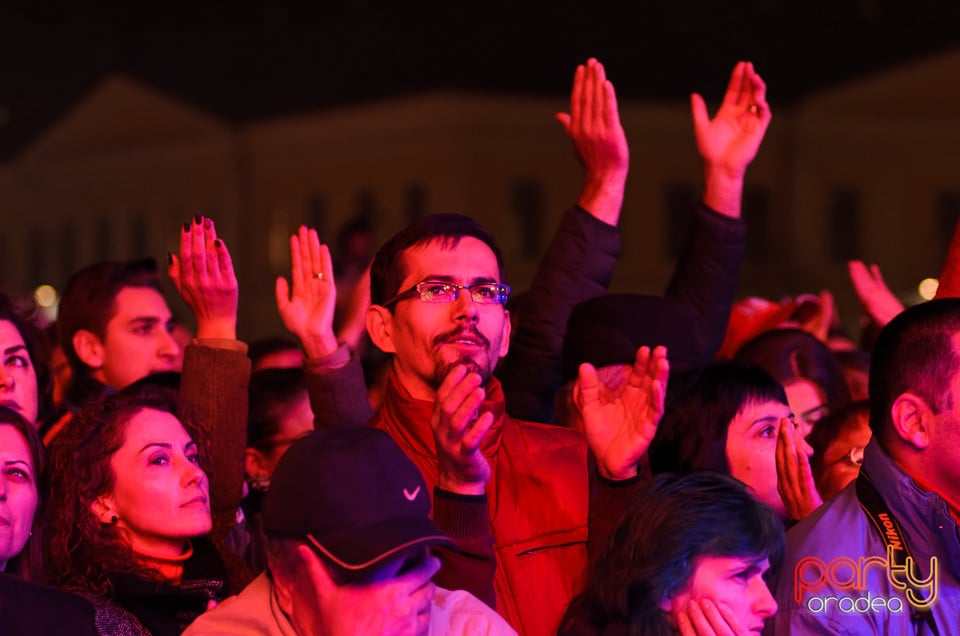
x=438, y=298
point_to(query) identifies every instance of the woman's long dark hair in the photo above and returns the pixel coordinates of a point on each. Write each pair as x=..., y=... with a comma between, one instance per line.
x=652, y=554
x=84, y=554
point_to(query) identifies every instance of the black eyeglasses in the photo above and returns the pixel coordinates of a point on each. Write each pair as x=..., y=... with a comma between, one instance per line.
x=439, y=292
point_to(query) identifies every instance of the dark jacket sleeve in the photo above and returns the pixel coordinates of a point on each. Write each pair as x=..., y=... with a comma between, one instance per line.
x=466, y=520
x=577, y=266
x=214, y=386
x=338, y=394
x=708, y=272
x=608, y=501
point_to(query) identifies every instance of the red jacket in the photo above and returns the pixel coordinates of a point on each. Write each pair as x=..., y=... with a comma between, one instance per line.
x=538, y=503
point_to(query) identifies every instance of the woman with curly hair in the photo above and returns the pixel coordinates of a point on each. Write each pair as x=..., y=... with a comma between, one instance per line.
x=687, y=557
x=132, y=504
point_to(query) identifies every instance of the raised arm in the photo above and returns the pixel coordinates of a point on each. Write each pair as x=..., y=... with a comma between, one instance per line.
x=709, y=266
x=216, y=369
x=579, y=261
x=338, y=395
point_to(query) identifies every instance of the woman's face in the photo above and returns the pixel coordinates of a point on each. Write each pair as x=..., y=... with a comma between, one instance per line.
x=18, y=493
x=18, y=378
x=808, y=403
x=843, y=457
x=160, y=494
x=752, y=449
x=736, y=582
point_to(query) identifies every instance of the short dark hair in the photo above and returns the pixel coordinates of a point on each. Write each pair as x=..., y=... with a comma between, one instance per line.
x=387, y=274
x=272, y=392
x=88, y=300
x=29, y=563
x=652, y=554
x=914, y=353
x=693, y=432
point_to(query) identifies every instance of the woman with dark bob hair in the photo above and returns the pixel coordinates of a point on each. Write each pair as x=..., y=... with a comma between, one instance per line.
x=728, y=417
x=132, y=504
x=22, y=495
x=688, y=557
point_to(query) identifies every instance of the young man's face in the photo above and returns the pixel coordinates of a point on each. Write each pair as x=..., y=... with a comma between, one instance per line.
x=429, y=339
x=137, y=340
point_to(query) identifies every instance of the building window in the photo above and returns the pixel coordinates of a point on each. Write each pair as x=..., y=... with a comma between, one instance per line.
x=526, y=201
x=844, y=219
x=756, y=216
x=104, y=239
x=366, y=207
x=679, y=200
x=415, y=202
x=318, y=213
x=38, y=257
x=139, y=243
x=68, y=251
x=948, y=213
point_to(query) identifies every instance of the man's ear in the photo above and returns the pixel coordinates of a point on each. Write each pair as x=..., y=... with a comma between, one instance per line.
x=380, y=327
x=89, y=348
x=255, y=464
x=505, y=340
x=912, y=417
x=104, y=509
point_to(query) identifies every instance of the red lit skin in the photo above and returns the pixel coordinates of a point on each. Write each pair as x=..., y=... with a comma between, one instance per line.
x=725, y=595
x=18, y=493
x=926, y=444
x=729, y=142
x=751, y=449
x=137, y=340
x=446, y=352
x=593, y=125
x=795, y=481
x=160, y=494
x=18, y=377
x=389, y=602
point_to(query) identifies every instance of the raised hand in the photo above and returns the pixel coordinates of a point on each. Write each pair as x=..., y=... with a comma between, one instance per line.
x=795, y=481
x=875, y=297
x=619, y=424
x=458, y=430
x=729, y=141
x=394, y=604
x=306, y=308
x=203, y=275
x=593, y=124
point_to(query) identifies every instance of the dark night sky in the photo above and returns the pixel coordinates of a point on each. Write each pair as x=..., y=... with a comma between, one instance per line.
x=254, y=62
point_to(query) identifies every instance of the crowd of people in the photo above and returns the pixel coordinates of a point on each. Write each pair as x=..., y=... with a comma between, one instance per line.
x=439, y=454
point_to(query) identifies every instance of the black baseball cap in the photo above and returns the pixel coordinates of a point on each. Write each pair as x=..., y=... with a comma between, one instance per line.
x=353, y=496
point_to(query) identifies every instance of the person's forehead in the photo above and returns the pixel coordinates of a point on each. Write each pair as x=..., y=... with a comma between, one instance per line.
x=12, y=444
x=140, y=302
x=9, y=335
x=469, y=258
x=755, y=410
x=151, y=425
